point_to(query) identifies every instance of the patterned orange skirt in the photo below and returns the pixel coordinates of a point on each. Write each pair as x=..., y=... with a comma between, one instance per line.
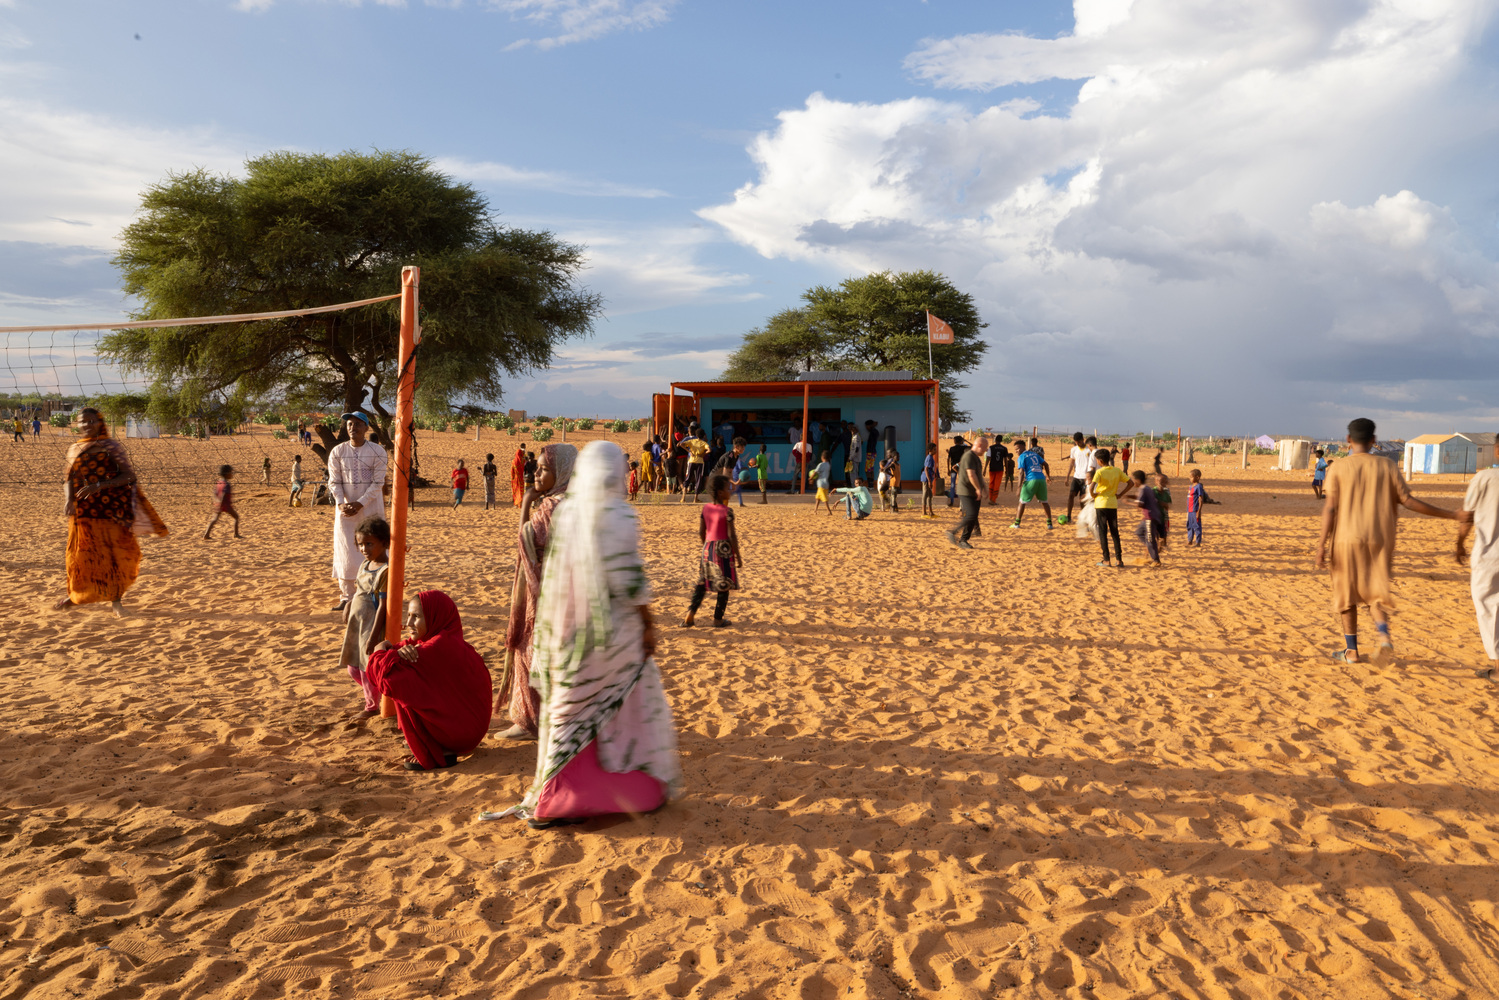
x=104, y=558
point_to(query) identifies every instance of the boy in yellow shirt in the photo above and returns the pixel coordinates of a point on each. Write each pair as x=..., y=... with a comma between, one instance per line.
x=1106, y=491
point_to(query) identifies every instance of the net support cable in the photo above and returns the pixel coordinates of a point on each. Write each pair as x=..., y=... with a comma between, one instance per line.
x=152, y=324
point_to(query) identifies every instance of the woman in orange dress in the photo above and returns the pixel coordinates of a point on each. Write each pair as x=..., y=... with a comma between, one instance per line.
x=105, y=510
x=518, y=475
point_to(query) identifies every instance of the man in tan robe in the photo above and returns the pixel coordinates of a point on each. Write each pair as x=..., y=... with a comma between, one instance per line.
x=1358, y=518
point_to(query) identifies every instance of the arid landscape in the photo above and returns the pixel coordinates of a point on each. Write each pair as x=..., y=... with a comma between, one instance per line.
x=911, y=771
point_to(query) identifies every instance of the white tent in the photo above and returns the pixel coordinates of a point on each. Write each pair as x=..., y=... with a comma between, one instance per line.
x=1295, y=453
x=1437, y=454
x=139, y=427
x=1264, y=441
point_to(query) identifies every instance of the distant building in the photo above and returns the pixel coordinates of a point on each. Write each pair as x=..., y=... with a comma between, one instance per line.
x=1441, y=454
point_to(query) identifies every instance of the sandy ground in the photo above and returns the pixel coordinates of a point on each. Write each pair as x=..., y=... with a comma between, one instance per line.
x=911, y=771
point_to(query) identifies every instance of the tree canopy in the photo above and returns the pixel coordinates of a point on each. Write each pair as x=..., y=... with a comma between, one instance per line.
x=873, y=323
x=301, y=230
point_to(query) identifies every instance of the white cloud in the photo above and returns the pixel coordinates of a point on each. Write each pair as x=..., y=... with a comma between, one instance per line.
x=507, y=176
x=1239, y=180
x=76, y=179
x=582, y=20
x=566, y=21
x=641, y=269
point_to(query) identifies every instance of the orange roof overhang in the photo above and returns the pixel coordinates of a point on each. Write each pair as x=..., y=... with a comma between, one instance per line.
x=834, y=387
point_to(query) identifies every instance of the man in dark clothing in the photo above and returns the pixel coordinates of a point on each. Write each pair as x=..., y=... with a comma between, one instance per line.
x=846, y=439
x=954, y=454
x=969, y=487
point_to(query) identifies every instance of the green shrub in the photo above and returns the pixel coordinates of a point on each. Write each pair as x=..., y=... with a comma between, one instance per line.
x=1262, y=451
x=586, y=424
x=461, y=428
x=541, y=420
x=280, y=435
x=330, y=422
x=511, y=430
x=636, y=425
x=541, y=434
x=60, y=419
x=563, y=424
x=271, y=418
x=620, y=426
x=503, y=423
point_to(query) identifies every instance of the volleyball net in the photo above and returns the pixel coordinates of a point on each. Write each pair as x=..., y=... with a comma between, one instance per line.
x=49, y=373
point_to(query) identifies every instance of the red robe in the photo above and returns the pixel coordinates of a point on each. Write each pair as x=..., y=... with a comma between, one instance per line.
x=444, y=700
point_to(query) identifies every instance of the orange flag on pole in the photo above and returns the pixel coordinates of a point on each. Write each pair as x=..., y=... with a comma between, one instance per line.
x=937, y=332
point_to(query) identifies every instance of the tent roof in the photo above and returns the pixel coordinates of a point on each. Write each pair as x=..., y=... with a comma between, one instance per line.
x=1482, y=438
x=1431, y=439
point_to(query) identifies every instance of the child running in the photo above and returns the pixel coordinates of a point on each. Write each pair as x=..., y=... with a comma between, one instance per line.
x=1035, y=471
x=1149, y=531
x=491, y=472
x=822, y=475
x=1195, y=497
x=364, y=615
x=1163, y=497
x=720, y=560
x=1358, y=522
x=460, y=483
x=223, y=501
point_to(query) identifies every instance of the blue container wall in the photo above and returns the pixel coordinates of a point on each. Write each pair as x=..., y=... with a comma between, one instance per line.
x=766, y=418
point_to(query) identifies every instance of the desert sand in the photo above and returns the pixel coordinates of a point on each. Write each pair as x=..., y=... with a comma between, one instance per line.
x=910, y=771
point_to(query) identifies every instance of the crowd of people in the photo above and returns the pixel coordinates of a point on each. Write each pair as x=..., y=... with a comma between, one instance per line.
x=578, y=674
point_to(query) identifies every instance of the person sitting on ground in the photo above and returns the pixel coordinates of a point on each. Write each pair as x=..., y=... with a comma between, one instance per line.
x=857, y=502
x=440, y=686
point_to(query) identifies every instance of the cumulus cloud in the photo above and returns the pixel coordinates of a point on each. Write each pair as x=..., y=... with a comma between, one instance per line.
x=645, y=268
x=1240, y=188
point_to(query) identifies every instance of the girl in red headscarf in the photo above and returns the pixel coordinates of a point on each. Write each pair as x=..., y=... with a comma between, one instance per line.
x=439, y=683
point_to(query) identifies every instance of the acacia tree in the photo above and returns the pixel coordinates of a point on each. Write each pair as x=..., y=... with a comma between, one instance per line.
x=873, y=323
x=301, y=230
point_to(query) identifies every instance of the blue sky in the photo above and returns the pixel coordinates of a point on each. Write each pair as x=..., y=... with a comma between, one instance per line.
x=1234, y=216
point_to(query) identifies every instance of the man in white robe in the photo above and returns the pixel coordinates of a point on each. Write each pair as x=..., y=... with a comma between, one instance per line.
x=356, y=477
x=1483, y=500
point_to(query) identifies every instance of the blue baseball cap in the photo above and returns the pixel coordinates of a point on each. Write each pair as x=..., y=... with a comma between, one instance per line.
x=369, y=421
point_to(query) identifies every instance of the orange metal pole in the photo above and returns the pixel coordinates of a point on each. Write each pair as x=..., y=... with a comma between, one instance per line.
x=806, y=445
x=405, y=396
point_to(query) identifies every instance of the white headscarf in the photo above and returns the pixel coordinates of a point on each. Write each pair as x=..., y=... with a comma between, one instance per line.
x=578, y=598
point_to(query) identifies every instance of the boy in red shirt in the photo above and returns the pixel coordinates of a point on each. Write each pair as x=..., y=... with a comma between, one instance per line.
x=460, y=483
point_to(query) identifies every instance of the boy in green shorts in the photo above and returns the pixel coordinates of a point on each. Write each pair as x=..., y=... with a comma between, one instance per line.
x=1035, y=470
x=761, y=462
